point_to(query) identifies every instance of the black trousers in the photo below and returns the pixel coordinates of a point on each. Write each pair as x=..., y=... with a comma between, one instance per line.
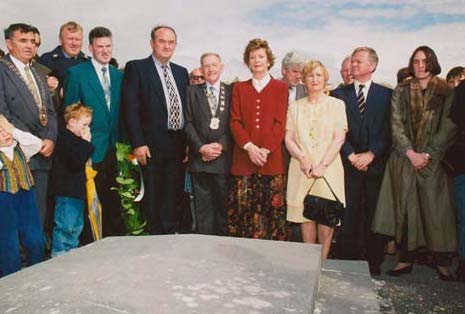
x=107, y=170
x=164, y=199
x=211, y=202
x=356, y=240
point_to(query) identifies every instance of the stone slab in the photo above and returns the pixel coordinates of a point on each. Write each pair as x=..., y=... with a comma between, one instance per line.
x=346, y=287
x=170, y=274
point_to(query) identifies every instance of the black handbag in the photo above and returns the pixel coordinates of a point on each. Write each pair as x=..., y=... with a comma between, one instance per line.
x=322, y=210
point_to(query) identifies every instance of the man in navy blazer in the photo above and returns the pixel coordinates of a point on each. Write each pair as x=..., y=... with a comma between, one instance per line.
x=364, y=156
x=154, y=95
x=97, y=84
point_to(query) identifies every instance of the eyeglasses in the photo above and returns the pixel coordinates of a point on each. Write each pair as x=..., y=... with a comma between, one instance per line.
x=197, y=77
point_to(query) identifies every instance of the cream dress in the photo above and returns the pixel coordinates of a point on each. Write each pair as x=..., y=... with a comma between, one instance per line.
x=314, y=126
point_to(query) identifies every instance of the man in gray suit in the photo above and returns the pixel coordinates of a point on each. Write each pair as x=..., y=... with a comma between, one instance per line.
x=291, y=69
x=209, y=139
x=25, y=101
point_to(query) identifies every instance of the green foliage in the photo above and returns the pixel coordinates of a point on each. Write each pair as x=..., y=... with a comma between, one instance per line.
x=128, y=189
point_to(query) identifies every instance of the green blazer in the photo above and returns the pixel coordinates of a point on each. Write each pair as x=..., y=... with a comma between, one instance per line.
x=81, y=84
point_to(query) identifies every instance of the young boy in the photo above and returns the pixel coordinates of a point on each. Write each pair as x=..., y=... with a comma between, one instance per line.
x=18, y=211
x=72, y=151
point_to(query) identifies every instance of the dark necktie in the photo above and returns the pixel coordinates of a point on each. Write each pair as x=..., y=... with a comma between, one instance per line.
x=361, y=99
x=174, y=112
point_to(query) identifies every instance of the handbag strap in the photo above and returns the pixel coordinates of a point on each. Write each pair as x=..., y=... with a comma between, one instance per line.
x=329, y=186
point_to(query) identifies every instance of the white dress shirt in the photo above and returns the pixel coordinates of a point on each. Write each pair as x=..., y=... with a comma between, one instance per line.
x=98, y=69
x=365, y=89
x=20, y=66
x=158, y=66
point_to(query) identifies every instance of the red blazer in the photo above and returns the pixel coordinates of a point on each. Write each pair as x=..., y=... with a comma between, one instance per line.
x=259, y=118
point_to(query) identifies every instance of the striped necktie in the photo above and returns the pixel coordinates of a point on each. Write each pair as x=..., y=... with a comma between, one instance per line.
x=361, y=99
x=174, y=112
x=106, y=86
x=32, y=87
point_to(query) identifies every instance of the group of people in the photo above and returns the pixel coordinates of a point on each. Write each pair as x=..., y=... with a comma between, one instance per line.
x=252, y=150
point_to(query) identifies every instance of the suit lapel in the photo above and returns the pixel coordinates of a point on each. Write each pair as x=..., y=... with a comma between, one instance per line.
x=353, y=103
x=96, y=86
x=16, y=78
x=202, y=100
x=115, y=92
x=155, y=80
x=370, y=102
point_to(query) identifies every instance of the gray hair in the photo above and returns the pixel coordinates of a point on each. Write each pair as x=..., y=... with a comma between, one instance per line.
x=348, y=57
x=292, y=58
x=208, y=54
x=372, y=55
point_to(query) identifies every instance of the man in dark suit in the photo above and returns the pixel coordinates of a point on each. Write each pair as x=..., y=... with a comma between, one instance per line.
x=97, y=84
x=25, y=101
x=209, y=138
x=364, y=156
x=154, y=94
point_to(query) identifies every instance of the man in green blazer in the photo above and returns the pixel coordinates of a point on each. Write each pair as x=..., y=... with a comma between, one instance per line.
x=97, y=84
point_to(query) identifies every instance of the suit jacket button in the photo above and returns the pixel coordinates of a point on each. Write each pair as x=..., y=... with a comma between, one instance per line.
x=258, y=100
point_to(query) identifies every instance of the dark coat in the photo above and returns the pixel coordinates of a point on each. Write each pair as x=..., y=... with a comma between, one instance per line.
x=58, y=63
x=456, y=154
x=424, y=196
x=69, y=165
x=145, y=110
x=198, y=131
x=370, y=133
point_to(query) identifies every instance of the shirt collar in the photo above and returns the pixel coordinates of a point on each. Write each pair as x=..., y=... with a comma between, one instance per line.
x=159, y=64
x=367, y=85
x=263, y=82
x=216, y=86
x=19, y=64
x=67, y=56
x=98, y=66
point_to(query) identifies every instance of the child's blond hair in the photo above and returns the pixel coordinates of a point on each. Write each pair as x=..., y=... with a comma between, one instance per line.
x=76, y=111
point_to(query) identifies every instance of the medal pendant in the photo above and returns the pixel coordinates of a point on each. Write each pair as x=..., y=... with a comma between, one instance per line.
x=43, y=117
x=214, y=123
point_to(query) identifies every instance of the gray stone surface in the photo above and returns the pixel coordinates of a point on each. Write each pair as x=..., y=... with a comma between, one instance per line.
x=346, y=287
x=169, y=274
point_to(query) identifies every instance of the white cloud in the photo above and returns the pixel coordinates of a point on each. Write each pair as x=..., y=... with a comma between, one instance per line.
x=227, y=26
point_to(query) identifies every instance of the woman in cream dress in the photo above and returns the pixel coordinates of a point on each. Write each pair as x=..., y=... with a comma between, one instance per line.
x=315, y=131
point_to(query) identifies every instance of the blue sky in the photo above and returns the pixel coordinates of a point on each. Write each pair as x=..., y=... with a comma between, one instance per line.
x=324, y=30
x=401, y=16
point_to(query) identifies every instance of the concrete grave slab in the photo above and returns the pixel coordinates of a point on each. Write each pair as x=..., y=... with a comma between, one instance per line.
x=170, y=274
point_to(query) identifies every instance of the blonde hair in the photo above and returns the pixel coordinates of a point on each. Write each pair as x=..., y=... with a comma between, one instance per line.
x=76, y=111
x=70, y=26
x=311, y=65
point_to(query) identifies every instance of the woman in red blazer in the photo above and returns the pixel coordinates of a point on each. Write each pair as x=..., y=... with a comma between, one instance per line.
x=258, y=119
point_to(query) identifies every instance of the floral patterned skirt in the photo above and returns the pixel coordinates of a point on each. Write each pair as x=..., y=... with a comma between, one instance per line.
x=257, y=207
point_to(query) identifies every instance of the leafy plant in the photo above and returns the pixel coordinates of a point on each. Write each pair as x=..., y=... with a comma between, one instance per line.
x=128, y=188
